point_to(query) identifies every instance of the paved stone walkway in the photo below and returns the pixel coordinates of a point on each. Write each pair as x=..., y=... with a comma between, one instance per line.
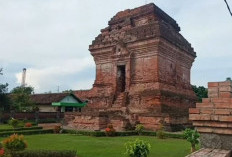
x=207, y=152
x=49, y=125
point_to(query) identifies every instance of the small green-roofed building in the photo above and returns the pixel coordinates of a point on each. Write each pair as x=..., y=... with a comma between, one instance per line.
x=69, y=103
x=55, y=102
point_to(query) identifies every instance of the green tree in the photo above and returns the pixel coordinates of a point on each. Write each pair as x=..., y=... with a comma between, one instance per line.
x=21, y=98
x=4, y=99
x=201, y=92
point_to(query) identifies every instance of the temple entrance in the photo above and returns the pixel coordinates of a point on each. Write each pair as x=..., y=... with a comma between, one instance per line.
x=121, y=78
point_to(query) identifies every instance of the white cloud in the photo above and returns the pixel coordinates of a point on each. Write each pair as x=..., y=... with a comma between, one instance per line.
x=49, y=78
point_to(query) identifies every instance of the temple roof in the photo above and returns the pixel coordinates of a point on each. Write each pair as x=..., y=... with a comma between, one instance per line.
x=141, y=23
x=144, y=11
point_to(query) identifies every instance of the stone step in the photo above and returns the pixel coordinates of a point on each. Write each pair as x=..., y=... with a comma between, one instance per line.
x=208, y=152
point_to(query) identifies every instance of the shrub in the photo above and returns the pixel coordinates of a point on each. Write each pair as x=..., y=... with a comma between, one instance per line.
x=26, y=132
x=45, y=153
x=14, y=122
x=15, y=143
x=192, y=136
x=110, y=131
x=21, y=129
x=2, y=152
x=139, y=128
x=28, y=125
x=160, y=133
x=57, y=129
x=138, y=148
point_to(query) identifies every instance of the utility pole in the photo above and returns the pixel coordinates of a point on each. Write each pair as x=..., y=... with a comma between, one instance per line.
x=228, y=7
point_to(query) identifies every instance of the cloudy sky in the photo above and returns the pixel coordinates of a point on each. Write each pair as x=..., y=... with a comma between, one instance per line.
x=50, y=38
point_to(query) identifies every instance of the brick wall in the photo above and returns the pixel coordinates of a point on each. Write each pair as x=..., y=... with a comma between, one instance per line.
x=213, y=117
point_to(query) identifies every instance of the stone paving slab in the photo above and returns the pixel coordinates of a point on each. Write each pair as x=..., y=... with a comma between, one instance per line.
x=208, y=152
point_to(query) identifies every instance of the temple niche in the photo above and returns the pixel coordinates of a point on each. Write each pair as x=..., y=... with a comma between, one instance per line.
x=143, y=72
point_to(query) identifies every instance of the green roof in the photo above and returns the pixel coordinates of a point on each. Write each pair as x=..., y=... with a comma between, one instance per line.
x=68, y=104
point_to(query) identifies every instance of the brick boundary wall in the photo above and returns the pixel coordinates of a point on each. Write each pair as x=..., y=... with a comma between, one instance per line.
x=31, y=116
x=213, y=117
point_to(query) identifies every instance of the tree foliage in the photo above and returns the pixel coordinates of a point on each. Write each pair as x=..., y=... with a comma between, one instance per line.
x=4, y=99
x=201, y=92
x=21, y=98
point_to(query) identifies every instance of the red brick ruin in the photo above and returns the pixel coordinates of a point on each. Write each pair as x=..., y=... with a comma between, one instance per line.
x=143, y=69
x=213, y=117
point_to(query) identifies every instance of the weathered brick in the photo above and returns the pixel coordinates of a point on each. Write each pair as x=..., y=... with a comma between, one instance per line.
x=225, y=94
x=223, y=105
x=194, y=110
x=213, y=84
x=204, y=105
x=198, y=123
x=213, y=89
x=206, y=100
x=205, y=129
x=214, y=117
x=229, y=125
x=225, y=89
x=221, y=100
x=222, y=111
x=213, y=94
x=225, y=118
x=199, y=117
x=225, y=83
x=224, y=131
x=206, y=111
x=216, y=124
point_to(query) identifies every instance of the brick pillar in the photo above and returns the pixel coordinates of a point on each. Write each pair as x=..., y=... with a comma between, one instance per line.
x=213, y=117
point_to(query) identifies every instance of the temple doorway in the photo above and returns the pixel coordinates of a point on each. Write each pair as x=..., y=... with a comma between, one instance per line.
x=121, y=78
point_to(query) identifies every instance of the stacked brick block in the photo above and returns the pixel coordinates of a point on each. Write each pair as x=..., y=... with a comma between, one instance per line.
x=213, y=117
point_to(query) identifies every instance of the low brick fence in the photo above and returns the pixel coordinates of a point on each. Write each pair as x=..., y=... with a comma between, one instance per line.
x=31, y=116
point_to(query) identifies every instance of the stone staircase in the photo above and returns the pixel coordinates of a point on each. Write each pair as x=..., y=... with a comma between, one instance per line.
x=208, y=152
x=120, y=100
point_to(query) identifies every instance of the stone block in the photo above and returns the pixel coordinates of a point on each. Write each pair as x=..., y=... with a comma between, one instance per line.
x=216, y=141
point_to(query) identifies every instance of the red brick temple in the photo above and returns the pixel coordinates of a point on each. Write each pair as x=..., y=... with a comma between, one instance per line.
x=143, y=67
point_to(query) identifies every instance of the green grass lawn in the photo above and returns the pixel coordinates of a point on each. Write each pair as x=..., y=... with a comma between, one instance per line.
x=106, y=146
